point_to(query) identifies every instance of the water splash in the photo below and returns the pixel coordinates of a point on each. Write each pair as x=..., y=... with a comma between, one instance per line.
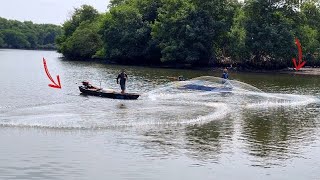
x=167, y=105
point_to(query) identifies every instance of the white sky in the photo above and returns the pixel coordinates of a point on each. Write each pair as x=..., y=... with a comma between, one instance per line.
x=45, y=11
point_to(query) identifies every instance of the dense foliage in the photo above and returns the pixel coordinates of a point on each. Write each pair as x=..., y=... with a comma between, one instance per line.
x=26, y=35
x=81, y=38
x=252, y=34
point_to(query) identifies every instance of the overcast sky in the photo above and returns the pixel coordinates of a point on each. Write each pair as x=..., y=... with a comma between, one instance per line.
x=45, y=11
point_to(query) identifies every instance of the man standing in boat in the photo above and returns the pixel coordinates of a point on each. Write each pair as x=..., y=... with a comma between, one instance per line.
x=123, y=78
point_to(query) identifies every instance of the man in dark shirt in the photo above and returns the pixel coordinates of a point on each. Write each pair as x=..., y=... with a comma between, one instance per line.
x=123, y=78
x=225, y=74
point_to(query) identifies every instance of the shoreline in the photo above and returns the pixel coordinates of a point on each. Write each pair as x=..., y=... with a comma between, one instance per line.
x=303, y=71
x=312, y=71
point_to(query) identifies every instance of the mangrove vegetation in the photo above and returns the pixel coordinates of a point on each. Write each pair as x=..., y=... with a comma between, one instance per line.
x=27, y=35
x=251, y=34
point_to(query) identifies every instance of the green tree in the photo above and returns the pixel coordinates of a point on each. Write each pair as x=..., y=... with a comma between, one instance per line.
x=114, y=3
x=32, y=39
x=147, y=8
x=308, y=32
x=83, y=43
x=27, y=35
x=4, y=24
x=192, y=31
x=81, y=38
x=1, y=41
x=15, y=39
x=236, y=46
x=126, y=35
x=270, y=38
x=82, y=14
x=149, y=11
x=253, y=33
x=171, y=30
x=218, y=17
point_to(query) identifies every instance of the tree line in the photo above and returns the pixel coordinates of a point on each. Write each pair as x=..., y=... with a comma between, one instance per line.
x=27, y=35
x=251, y=34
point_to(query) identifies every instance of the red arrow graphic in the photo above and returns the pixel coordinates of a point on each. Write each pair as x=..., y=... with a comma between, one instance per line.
x=300, y=62
x=54, y=85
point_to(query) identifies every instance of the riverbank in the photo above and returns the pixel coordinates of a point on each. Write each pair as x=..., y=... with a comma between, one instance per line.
x=303, y=71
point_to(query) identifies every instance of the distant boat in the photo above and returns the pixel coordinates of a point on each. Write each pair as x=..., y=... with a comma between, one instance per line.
x=94, y=91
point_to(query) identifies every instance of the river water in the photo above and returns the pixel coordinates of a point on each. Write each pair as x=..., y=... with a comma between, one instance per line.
x=268, y=127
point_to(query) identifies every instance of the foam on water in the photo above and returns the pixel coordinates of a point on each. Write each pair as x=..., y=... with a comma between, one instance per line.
x=167, y=105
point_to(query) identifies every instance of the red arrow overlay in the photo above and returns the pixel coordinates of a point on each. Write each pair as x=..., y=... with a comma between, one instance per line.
x=300, y=62
x=54, y=85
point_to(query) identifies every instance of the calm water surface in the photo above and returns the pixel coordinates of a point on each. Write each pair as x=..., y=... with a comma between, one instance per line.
x=168, y=133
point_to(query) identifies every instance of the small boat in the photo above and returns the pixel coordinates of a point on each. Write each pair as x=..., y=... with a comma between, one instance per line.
x=88, y=89
x=107, y=93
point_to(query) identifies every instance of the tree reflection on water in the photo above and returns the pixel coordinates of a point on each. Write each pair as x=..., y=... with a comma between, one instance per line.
x=276, y=134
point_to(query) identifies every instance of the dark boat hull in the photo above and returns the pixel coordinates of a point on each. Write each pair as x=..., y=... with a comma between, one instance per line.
x=108, y=94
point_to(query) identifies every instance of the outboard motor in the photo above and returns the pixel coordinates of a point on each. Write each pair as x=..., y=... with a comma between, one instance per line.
x=86, y=84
